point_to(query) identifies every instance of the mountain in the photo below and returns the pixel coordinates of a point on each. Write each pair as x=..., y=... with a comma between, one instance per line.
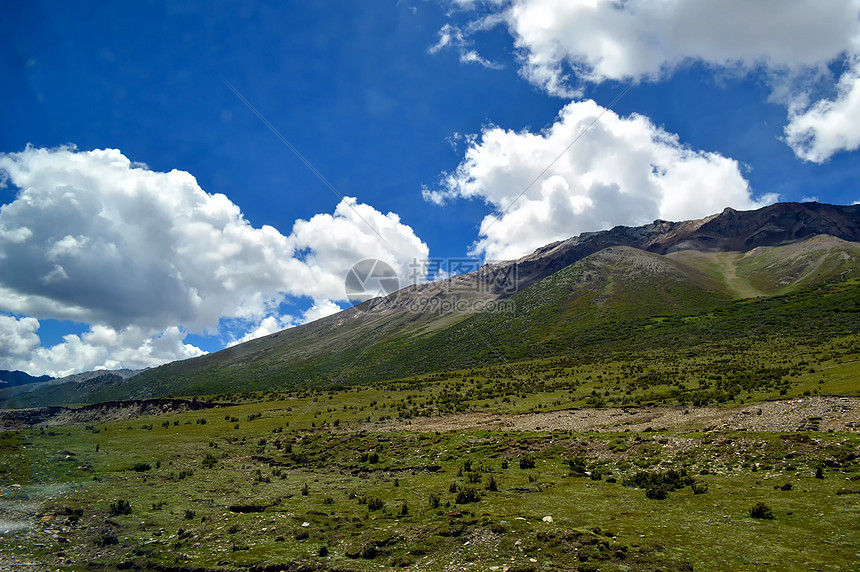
x=15, y=378
x=75, y=388
x=592, y=294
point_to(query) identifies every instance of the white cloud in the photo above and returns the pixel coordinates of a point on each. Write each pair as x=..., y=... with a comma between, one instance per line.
x=600, y=40
x=95, y=238
x=17, y=336
x=453, y=37
x=103, y=347
x=563, y=45
x=266, y=326
x=276, y=323
x=321, y=310
x=333, y=243
x=624, y=171
x=830, y=125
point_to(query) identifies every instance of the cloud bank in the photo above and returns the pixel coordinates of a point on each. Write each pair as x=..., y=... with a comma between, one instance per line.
x=564, y=45
x=625, y=170
x=145, y=257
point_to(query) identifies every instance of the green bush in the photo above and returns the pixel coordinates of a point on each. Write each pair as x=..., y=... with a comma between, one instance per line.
x=699, y=488
x=468, y=495
x=659, y=483
x=577, y=466
x=527, y=462
x=761, y=510
x=120, y=507
x=491, y=484
x=107, y=539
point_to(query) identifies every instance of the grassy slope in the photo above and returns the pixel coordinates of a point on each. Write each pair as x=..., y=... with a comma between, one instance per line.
x=604, y=304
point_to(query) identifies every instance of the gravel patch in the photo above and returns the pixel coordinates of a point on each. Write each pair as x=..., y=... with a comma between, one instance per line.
x=814, y=413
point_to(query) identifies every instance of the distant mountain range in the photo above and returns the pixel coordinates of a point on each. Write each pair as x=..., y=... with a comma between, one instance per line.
x=593, y=293
x=14, y=378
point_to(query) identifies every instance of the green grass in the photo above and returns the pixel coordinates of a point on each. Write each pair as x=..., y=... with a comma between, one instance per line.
x=617, y=526
x=575, y=341
x=615, y=306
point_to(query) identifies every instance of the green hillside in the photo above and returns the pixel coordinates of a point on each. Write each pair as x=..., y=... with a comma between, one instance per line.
x=620, y=302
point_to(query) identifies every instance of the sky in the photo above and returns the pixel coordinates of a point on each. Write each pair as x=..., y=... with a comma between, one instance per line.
x=177, y=177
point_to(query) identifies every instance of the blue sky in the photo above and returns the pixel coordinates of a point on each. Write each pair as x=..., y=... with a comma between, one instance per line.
x=149, y=215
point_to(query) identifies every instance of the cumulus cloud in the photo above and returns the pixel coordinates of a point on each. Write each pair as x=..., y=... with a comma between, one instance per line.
x=95, y=238
x=18, y=336
x=564, y=45
x=276, y=323
x=817, y=132
x=103, y=347
x=624, y=171
x=604, y=39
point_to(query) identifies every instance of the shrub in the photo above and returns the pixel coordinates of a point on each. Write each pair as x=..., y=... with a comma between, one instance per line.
x=434, y=500
x=761, y=510
x=141, y=467
x=699, y=488
x=658, y=484
x=305, y=490
x=323, y=551
x=209, y=461
x=527, y=462
x=577, y=466
x=73, y=514
x=189, y=514
x=375, y=503
x=369, y=552
x=106, y=539
x=491, y=484
x=505, y=464
x=468, y=495
x=120, y=507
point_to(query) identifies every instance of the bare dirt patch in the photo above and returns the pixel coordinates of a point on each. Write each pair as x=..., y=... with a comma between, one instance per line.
x=800, y=414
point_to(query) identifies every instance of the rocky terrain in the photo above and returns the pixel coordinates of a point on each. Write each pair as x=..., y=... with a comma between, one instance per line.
x=800, y=414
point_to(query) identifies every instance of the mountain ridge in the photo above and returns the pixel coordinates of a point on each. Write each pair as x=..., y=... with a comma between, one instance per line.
x=563, y=292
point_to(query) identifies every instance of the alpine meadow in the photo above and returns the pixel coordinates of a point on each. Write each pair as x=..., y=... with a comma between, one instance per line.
x=430, y=285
